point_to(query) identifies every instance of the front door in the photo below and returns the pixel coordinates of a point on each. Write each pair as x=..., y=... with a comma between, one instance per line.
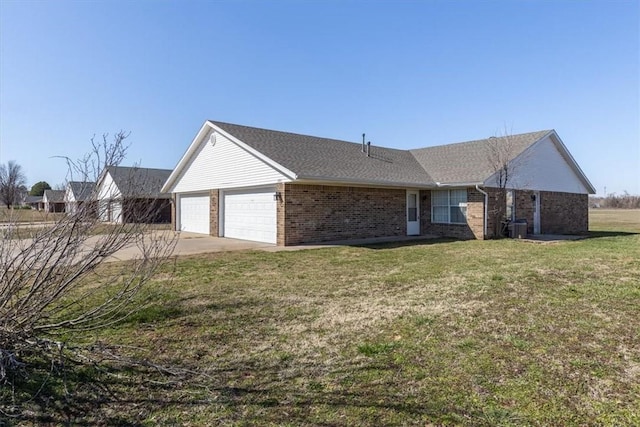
x=413, y=213
x=536, y=212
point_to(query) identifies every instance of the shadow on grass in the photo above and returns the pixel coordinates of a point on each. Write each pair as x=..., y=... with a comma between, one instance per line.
x=599, y=234
x=405, y=243
x=111, y=395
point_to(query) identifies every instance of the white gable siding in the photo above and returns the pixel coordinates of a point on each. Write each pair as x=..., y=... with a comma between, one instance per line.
x=69, y=197
x=69, y=200
x=224, y=165
x=107, y=188
x=542, y=167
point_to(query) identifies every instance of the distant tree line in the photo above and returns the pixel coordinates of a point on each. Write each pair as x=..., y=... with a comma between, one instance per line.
x=615, y=201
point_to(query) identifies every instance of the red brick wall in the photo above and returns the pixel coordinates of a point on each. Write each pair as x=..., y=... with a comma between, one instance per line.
x=525, y=206
x=214, y=204
x=564, y=213
x=319, y=213
x=560, y=213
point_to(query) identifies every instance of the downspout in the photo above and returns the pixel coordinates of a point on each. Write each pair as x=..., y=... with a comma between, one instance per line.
x=486, y=204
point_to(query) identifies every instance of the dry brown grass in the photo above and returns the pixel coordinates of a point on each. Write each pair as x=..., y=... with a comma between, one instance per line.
x=614, y=220
x=27, y=216
x=437, y=333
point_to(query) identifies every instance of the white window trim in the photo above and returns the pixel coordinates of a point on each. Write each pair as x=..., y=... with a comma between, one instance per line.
x=449, y=206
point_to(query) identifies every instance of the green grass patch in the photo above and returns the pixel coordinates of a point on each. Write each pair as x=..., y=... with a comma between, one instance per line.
x=474, y=333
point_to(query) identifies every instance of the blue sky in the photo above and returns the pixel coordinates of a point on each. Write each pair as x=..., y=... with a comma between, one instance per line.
x=408, y=73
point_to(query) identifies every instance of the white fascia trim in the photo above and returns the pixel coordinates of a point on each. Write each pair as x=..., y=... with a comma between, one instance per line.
x=459, y=184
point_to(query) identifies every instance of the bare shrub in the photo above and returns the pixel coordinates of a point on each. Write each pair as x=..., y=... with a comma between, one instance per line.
x=52, y=285
x=623, y=201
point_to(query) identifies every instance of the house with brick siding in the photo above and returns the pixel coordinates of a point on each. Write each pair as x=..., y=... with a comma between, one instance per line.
x=289, y=189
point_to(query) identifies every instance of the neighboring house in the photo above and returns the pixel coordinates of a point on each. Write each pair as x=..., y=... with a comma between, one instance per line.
x=79, y=193
x=53, y=200
x=132, y=194
x=288, y=189
x=35, y=202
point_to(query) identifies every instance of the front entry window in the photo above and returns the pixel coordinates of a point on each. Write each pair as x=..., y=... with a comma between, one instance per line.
x=412, y=208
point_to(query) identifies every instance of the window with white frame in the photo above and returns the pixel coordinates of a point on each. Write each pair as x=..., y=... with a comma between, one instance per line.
x=449, y=206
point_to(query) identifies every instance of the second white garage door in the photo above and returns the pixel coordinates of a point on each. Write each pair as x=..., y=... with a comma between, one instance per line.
x=250, y=215
x=194, y=213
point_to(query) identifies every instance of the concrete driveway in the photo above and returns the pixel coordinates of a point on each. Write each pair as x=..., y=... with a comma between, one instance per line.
x=194, y=243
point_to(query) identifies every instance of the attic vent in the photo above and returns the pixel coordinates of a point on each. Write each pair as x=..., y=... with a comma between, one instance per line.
x=212, y=139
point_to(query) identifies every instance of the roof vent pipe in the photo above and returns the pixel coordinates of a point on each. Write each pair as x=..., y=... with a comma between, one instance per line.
x=368, y=148
x=363, y=142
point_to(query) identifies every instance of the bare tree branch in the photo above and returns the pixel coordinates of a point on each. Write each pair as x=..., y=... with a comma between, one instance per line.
x=501, y=155
x=56, y=283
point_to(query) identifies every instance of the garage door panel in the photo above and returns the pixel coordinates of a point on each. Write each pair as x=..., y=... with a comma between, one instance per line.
x=250, y=215
x=194, y=213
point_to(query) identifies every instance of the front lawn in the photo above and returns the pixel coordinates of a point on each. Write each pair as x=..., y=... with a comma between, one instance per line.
x=433, y=333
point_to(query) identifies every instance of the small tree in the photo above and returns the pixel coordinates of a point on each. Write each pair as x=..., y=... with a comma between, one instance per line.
x=39, y=187
x=52, y=286
x=12, y=180
x=501, y=153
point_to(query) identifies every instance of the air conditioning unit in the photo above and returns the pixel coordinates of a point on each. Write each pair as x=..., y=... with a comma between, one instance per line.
x=518, y=229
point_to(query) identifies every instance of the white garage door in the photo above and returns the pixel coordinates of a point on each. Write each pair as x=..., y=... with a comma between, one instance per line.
x=194, y=213
x=250, y=215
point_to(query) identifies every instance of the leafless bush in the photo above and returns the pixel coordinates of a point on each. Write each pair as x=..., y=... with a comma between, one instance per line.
x=623, y=201
x=51, y=285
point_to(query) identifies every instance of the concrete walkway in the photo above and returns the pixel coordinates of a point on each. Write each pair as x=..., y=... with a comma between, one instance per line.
x=551, y=238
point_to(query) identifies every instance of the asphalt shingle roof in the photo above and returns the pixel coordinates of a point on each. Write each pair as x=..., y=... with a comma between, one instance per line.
x=82, y=189
x=311, y=157
x=468, y=162
x=139, y=182
x=54, y=196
